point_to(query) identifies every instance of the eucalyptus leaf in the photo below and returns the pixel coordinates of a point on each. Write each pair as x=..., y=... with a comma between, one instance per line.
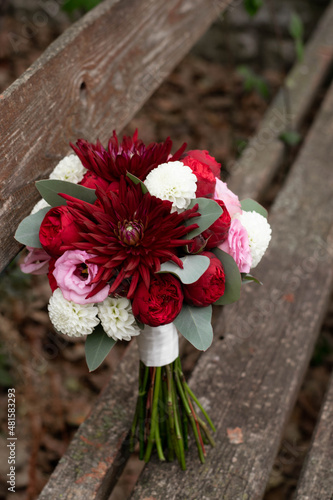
x=97, y=347
x=249, y=205
x=233, y=280
x=194, y=267
x=194, y=323
x=136, y=180
x=27, y=232
x=49, y=189
x=210, y=211
x=247, y=278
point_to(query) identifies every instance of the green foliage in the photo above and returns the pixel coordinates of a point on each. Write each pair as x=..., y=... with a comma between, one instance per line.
x=194, y=323
x=97, y=347
x=85, y=5
x=252, y=6
x=194, y=267
x=296, y=30
x=233, y=281
x=50, y=188
x=253, y=82
x=249, y=205
x=210, y=211
x=27, y=232
x=290, y=137
x=248, y=278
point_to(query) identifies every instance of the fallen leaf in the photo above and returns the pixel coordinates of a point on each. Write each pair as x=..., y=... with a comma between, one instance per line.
x=235, y=435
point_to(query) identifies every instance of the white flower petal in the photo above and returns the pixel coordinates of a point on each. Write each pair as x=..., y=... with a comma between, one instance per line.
x=39, y=205
x=259, y=232
x=70, y=318
x=172, y=181
x=117, y=318
x=69, y=169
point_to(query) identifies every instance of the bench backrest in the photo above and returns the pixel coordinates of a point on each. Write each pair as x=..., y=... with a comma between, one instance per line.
x=91, y=80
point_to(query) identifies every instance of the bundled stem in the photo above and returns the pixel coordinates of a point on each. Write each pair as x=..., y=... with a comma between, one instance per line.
x=164, y=412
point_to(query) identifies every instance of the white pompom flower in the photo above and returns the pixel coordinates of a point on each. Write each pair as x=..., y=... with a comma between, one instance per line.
x=259, y=233
x=69, y=169
x=173, y=181
x=70, y=318
x=39, y=205
x=117, y=318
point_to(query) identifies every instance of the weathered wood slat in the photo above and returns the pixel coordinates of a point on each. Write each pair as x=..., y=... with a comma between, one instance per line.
x=317, y=477
x=88, y=82
x=249, y=381
x=265, y=152
x=66, y=478
x=99, y=450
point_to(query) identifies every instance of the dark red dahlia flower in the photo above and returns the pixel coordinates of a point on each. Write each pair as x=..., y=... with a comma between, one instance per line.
x=131, y=155
x=130, y=234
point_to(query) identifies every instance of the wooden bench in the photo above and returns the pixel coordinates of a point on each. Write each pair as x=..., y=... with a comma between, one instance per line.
x=249, y=379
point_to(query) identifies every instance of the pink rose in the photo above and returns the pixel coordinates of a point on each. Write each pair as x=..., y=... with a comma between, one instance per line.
x=74, y=276
x=222, y=192
x=36, y=262
x=237, y=245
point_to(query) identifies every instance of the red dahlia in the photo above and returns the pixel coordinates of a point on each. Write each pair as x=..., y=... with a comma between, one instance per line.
x=131, y=155
x=130, y=233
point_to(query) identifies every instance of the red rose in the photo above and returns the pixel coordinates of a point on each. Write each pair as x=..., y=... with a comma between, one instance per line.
x=161, y=303
x=205, y=178
x=58, y=229
x=52, y=281
x=209, y=287
x=218, y=231
x=91, y=180
x=204, y=157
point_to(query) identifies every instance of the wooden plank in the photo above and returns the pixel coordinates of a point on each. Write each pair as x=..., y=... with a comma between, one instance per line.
x=88, y=82
x=317, y=476
x=249, y=381
x=99, y=450
x=255, y=169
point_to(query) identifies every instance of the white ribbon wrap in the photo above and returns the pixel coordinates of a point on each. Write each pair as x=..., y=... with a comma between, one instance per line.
x=158, y=345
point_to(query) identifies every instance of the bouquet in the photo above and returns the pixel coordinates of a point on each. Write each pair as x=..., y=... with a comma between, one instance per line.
x=137, y=241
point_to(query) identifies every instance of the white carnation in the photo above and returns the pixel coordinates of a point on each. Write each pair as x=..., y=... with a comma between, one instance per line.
x=39, y=205
x=173, y=181
x=70, y=318
x=259, y=233
x=69, y=169
x=117, y=318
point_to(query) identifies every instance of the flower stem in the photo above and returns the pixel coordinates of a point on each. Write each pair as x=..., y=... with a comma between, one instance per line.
x=154, y=414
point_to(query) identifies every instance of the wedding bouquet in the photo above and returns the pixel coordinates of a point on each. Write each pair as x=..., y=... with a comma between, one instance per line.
x=137, y=241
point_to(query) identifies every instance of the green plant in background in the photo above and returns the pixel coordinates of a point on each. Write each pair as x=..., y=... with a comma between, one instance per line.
x=296, y=30
x=252, y=6
x=252, y=81
x=85, y=5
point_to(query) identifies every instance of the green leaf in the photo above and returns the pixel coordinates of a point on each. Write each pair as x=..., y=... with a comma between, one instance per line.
x=98, y=345
x=27, y=232
x=210, y=211
x=296, y=28
x=136, y=180
x=247, y=278
x=72, y=5
x=194, y=323
x=290, y=137
x=252, y=6
x=50, y=188
x=249, y=205
x=194, y=267
x=233, y=280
